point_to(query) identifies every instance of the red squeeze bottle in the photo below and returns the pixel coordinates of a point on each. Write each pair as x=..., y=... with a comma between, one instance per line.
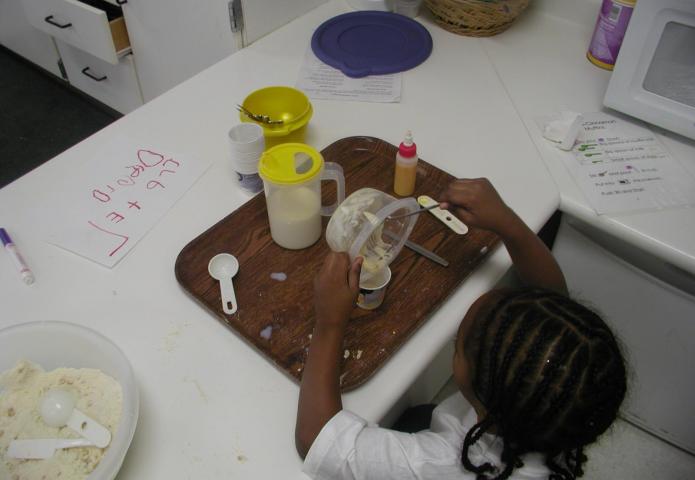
x=406, y=167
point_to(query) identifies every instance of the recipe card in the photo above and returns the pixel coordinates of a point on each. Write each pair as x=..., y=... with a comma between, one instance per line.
x=117, y=196
x=623, y=167
x=323, y=82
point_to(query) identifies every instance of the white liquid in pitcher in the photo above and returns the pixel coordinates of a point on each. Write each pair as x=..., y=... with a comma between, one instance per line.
x=295, y=217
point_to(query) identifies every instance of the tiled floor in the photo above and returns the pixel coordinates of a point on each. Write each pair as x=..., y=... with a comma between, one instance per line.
x=626, y=453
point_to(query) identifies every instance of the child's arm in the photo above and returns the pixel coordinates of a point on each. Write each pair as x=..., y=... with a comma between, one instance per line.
x=335, y=292
x=477, y=203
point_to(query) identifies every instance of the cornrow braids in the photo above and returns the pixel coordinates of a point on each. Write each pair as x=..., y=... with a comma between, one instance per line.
x=551, y=377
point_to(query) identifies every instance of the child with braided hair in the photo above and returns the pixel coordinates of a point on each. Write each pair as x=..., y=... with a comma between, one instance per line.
x=540, y=376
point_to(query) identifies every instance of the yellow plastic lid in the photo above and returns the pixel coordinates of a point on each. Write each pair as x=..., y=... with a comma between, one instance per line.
x=290, y=164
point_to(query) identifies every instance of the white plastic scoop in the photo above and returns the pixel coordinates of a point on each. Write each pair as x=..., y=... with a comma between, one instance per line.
x=223, y=267
x=58, y=409
x=41, y=448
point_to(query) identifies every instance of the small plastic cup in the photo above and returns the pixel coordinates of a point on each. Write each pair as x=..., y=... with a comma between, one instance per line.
x=409, y=8
x=247, y=143
x=246, y=138
x=373, y=290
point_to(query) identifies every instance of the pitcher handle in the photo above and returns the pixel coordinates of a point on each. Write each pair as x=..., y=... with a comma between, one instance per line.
x=333, y=171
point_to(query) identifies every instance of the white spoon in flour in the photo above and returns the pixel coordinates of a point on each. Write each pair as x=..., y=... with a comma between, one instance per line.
x=42, y=448
x=58, y=409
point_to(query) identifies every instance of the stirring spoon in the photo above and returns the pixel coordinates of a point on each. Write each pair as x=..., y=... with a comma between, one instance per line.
x=416, y=212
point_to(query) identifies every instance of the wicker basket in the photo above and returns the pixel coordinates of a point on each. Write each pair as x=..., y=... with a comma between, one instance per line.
x=476, y=18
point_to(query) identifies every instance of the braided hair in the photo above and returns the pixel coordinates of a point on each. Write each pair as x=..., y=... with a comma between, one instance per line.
x=551, y=377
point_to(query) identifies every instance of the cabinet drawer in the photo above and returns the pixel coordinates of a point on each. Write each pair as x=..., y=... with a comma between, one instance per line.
x=94, y=26
x=115, y=85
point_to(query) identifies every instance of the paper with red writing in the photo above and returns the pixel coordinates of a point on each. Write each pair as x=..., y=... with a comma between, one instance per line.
x=118, y=197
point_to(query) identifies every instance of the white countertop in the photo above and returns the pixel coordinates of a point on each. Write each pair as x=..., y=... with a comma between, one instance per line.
x=211, y=406
x=542, y=63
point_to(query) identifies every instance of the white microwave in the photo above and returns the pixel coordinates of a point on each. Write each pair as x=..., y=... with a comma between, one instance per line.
x=654, y=75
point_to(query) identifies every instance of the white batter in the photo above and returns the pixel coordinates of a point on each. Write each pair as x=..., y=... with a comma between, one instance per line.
x=351, y=217
x=98, y=395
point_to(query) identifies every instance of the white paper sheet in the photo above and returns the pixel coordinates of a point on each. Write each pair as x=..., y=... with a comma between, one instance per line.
x=622, y=167
x=323, y=82
x=117, y=197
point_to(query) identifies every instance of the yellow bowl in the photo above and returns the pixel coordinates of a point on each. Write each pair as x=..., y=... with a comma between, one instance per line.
x=280, y=103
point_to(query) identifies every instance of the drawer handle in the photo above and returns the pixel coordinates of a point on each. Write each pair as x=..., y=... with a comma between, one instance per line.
x=49, y=19
x=121, y=2
x=85, y=71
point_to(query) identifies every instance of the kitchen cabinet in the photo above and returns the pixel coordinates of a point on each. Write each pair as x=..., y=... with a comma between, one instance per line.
x=17, y=34
x=651, y=306
x=149, y=45
x=175, y=39
x=95, y=26
x=114, y=85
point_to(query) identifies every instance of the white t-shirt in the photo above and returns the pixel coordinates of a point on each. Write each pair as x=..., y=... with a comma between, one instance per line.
x=348, y=448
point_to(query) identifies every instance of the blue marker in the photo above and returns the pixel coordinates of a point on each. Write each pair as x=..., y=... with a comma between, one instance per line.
x=17, y=259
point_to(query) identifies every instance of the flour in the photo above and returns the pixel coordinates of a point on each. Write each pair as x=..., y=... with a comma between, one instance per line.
x=21, y=388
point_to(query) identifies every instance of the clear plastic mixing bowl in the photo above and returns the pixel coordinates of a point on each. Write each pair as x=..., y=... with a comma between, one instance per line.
x=361, y=227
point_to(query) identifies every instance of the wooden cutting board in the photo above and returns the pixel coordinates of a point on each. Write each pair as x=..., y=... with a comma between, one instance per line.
x=276, y=317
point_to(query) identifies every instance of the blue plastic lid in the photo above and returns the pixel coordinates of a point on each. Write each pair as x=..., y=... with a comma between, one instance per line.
x=371, y=43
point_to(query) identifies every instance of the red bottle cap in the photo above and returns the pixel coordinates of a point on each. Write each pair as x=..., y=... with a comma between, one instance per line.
x=407, y=148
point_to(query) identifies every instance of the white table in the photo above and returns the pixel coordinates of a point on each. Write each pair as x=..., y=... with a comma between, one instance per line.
x=542, y=62
x=211, y=407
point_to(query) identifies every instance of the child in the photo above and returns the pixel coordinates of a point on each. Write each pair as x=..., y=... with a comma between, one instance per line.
x=540, y=375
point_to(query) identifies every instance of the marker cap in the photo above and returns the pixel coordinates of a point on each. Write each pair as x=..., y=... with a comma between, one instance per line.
x=5, y=237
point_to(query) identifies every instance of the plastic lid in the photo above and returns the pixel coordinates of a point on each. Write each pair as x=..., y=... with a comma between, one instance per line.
x=371, y=43
x=407, y=148
x=290, y=164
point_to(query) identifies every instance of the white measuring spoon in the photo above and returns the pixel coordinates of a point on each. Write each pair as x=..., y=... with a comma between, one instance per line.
x=58, y=409
x=223, y=267
x=41, y=448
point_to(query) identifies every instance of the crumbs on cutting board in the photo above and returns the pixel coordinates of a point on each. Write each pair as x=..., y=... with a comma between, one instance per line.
x=267, y=332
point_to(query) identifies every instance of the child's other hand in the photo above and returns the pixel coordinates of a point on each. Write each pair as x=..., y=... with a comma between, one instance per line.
x=477, y=203
x=336, y=288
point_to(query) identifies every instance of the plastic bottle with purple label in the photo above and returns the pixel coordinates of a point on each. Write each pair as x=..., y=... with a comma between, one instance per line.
x=611, y=25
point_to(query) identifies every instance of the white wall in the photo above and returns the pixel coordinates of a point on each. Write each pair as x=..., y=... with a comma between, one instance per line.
x=264, y=16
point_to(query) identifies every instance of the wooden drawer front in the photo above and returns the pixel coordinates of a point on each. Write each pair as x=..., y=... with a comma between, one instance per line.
x=83, y=26
x=115, y=85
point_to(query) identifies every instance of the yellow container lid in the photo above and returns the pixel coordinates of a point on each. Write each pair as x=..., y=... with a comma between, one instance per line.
x=290, y=164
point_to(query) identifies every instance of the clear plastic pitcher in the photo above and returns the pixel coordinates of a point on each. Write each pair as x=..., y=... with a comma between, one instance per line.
x=292, y=175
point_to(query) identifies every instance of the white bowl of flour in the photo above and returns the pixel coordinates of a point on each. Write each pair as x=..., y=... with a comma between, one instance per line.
x=59, y=345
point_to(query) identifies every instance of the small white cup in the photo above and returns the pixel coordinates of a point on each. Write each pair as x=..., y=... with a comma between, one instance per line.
x=246, y=138
x=409, y=8
x=246, y=144
x=373, y=291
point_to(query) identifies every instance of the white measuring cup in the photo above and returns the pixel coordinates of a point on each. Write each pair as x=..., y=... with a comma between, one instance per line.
x=223, y=267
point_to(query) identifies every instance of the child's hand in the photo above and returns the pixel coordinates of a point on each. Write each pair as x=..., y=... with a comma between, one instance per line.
x=336, y=288
x=477, y=203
